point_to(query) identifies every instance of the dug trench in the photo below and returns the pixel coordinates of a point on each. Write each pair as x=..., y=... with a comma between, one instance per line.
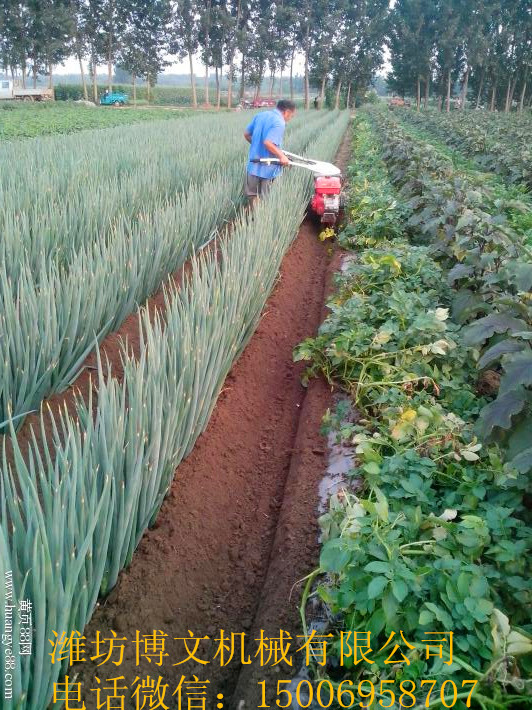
x=238, y=528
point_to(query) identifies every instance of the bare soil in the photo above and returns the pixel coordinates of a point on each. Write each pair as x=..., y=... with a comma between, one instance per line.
x=238, y=527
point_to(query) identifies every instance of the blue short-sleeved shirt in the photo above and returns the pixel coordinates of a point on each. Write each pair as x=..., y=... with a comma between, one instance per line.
x=265, y=126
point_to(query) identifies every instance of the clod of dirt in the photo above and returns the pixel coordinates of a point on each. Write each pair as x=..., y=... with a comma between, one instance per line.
x=488, y=383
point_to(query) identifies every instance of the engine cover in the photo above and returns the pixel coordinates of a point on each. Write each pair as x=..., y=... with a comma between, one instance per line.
x=326, y=199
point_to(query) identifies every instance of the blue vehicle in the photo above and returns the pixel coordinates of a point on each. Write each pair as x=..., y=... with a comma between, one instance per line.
x=113, y=98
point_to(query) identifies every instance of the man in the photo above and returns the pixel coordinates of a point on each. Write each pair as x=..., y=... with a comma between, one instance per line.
x=265, y=134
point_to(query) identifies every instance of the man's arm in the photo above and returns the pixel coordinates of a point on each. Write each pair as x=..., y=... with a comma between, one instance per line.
x=277, y=152
x=248, y=133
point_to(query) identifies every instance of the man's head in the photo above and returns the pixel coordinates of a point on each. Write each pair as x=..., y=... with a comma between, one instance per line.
x=287, y=108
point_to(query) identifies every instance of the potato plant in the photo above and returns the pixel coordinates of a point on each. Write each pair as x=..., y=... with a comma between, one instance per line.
x=431, y=532
x=490, y=268
x=498, y=144
x=19, y=121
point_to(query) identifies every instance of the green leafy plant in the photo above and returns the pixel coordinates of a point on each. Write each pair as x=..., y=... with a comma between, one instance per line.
x=431, y=532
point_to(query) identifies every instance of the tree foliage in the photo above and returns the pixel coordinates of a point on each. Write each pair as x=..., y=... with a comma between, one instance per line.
x=484, y=46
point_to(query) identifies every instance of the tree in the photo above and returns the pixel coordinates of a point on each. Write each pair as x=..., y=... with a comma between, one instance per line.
x=14, y=37
x=145, y=40
x=358, y=46
x=221, y=28
x=447, y=44
x=185, y=36
x=411, y=42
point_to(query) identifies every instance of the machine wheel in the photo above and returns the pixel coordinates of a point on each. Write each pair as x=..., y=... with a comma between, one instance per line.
x=117, y=103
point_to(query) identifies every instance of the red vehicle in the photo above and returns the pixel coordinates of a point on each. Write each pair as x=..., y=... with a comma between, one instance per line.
x=259, y=103
x=264, y=103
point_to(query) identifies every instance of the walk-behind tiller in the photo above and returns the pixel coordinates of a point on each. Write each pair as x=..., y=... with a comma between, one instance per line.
x=326, y=202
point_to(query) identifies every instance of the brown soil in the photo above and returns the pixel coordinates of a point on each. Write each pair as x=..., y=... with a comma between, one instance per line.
x=239, y=525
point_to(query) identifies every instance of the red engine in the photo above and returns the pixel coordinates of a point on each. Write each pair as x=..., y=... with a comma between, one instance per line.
x=326, y=199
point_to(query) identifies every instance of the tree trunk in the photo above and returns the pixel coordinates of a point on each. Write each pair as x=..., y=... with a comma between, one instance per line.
x=512, y=92
x=481, y=86
x=34, y=75
x=82, y=72
x=192, y=81
x=217, y=89
x=418, y=93
x=94, y=81
x=207, y=50
x=493, y=96
x=206, y=88
x=230, y=85
x=242, y=77
x=464, y=89
x=426, y=98
x=448, y=95
x=272, y=79
x=292, y=75
x=148, y=90
x=348, y=98
x=110, y=62
x=134, y=81
x=50, y=76
x=507, y=102
x=322, y=90
x=281, y=84
x=337, y=98
x=523, y=92
x=307, y=87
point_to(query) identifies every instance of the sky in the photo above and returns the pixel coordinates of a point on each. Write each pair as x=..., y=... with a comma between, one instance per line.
x=71, y=66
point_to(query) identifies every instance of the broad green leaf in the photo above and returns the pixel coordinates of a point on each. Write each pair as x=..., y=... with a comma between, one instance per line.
x=399, y=589
x=499, y=413
x=334, y=556
x=376, y=586
x=523, y=461
x=495, y=352
x=425, y=617
x=379, y=567
x=517, y=371
x=484, y=328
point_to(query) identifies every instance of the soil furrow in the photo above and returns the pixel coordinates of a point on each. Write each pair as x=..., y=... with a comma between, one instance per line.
x=204, y=565
x=238, y=527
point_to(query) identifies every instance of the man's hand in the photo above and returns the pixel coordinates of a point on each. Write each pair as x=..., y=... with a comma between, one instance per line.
x=277, y=152
x=247, y=136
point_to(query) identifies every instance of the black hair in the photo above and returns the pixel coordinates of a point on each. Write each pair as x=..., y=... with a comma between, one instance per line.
x=286, y=105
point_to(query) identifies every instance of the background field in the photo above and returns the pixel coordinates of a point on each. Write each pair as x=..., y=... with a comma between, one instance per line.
x=21, y=120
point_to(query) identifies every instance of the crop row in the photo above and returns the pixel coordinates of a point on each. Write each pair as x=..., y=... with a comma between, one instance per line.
x=490, y=268
x=72, y=516
x=502, y=147
x=102, y=233
x=434, y=536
